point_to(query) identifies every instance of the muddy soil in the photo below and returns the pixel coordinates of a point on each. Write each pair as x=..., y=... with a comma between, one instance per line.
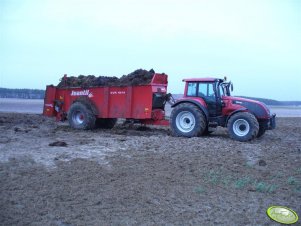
x=131, y=175
x=137, y=77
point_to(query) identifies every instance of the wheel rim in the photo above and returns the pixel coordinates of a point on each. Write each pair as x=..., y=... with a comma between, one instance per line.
x=78, y=117
x=241, y=127
x=185, y=121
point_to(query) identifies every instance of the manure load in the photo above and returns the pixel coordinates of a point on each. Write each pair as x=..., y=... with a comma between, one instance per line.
x=138, y=77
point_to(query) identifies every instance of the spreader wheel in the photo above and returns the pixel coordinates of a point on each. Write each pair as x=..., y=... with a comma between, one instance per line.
x=81, y=116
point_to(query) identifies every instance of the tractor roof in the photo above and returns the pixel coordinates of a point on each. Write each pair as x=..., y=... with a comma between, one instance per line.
x=201, y=79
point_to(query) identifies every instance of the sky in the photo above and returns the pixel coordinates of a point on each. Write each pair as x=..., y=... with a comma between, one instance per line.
x=255, y=43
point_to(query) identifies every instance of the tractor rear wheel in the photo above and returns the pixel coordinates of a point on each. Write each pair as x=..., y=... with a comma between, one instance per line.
x=80, y=116
x=187, y=120
x=243, y=126
x=105, y=123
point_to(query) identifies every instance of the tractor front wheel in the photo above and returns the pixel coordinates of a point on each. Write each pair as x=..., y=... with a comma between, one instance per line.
x=187, y=120
x=243, y=126
x=261, y=131
x=80, y=116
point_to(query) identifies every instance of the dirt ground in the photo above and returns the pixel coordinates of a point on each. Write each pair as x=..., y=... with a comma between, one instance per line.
x=133, y=175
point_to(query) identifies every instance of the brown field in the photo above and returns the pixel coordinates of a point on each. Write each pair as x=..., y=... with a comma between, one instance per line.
x=143, y=176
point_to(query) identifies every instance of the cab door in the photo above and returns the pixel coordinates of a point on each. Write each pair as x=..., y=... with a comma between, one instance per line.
x=209, y=93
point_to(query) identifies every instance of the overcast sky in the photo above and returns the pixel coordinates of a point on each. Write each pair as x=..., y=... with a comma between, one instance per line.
x=255, y=43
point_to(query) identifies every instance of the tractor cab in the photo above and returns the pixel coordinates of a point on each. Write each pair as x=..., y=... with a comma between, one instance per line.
x=211, y=91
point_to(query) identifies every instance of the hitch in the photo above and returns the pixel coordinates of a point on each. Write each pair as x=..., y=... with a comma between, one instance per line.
x=169, y=98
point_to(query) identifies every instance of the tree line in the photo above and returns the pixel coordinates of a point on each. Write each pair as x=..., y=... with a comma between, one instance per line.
x=274, y=102
x=22, y=93
x=39, y=94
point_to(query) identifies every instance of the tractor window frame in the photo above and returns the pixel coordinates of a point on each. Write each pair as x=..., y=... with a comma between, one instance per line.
x=221, y=91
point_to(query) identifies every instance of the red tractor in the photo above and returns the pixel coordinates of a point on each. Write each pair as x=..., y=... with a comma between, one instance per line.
x=207, y=103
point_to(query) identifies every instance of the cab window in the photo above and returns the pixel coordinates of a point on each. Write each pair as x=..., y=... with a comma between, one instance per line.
x=192, y=89
x=206, y=90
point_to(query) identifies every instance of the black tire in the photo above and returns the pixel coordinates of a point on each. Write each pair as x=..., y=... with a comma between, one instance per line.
x=261, y=131
x=105, y=123
x=80, y=116
x=243, y=126
x=187, y=120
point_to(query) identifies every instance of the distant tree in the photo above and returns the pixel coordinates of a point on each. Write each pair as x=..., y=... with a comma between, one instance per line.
x=274, y=102
x=22, y=93
x=264, y=100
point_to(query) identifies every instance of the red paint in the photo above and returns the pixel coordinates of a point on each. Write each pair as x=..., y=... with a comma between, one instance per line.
x=229, y=107
x=48, y=109
x=197, y=99
x=200, y=79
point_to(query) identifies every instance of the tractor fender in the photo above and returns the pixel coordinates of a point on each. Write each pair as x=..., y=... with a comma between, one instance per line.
x=203, y=109
x=89, y=103
x=234, y=112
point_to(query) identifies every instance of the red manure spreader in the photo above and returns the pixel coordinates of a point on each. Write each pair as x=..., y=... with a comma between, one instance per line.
x=206, y=104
